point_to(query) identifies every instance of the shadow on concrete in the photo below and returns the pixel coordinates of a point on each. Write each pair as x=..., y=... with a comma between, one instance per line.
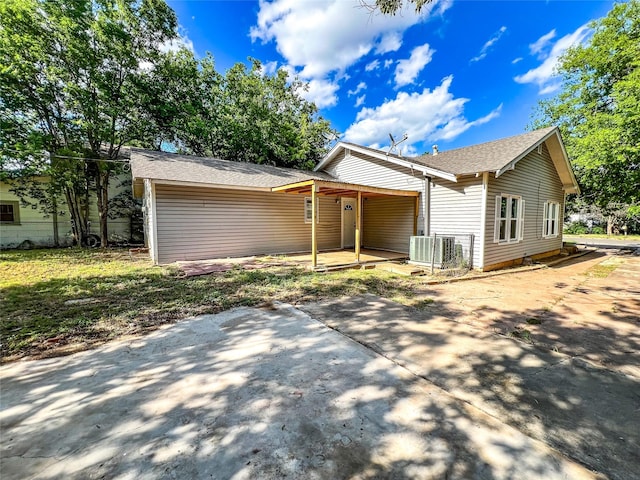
x=585, y=411
x=249, y=394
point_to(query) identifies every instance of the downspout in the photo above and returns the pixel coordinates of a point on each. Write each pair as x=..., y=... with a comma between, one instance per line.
x=483, y=217
x=427, y=206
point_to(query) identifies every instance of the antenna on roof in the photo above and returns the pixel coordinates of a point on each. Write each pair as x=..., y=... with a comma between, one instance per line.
x=395, y=144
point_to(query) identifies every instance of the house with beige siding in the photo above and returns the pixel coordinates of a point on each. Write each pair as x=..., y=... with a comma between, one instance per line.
x=22, y=223
x=508, y=195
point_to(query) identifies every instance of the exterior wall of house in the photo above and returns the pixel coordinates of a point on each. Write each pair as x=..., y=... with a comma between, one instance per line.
x=355, y=167
x=387, y=223
x=38, y=228
x=195, y=223
x=456, y=209
x=536, y=180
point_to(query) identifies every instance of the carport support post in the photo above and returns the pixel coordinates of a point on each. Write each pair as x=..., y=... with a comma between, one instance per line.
x=314, y=219
x=358, y=224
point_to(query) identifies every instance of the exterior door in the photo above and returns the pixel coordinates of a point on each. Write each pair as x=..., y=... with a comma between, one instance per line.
x=348, y=222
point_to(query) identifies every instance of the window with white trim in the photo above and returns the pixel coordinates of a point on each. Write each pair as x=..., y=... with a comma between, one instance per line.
x=509, y=223
x=551, y=214
x=308, y=209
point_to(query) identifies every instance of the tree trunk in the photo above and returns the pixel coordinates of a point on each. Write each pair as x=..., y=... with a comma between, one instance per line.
x=102, y=192
x=78, y=224
x=609, y=225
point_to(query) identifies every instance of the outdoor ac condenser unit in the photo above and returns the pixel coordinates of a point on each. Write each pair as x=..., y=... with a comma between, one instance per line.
x=421, y=250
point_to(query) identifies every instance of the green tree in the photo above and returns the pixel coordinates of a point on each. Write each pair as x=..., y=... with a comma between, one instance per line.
x=393, y=7
x=243, y=115
x=598, y=110
x=68, y=86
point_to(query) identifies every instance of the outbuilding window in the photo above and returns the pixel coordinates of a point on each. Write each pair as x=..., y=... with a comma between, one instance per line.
x=551, y=214
x=509, y=223
x=9, y=212
x=308, y=209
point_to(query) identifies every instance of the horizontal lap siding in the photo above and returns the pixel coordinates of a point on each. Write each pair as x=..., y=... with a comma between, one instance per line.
x=367, y=170
x=201, y=223
x=388, y=223
x=456, y=209
x=536, y=180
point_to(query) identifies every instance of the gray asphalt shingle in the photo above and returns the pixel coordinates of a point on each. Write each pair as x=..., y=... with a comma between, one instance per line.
x=186, y=168
x=484, y=157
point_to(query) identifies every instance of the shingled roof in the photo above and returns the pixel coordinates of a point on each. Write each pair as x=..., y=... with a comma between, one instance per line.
x=214, y=171
x=485, y=157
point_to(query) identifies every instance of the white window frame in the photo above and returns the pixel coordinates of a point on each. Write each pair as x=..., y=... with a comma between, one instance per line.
x=308, y=201
x=550, y=224
x=509, y=219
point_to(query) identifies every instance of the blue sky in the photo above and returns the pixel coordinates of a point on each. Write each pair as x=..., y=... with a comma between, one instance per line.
x=460, y=73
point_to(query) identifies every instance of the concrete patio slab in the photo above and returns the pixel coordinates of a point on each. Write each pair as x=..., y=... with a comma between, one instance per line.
x=250, y=394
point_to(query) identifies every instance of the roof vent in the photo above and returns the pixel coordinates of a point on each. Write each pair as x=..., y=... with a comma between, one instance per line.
x=435, y=149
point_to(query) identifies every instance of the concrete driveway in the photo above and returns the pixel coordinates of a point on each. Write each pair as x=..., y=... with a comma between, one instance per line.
x=252, y=394
x=554, y=353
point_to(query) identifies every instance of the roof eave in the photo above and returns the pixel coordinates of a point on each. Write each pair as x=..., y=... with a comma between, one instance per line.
x=426, y=170
x=554, y=135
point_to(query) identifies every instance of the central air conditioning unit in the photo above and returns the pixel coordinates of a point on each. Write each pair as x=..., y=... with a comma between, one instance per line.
x=421, y=250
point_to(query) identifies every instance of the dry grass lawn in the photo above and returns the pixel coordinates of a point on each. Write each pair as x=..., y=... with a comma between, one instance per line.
x=58, y=301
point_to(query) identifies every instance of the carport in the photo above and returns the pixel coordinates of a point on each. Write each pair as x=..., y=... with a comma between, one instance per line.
x=319, y=188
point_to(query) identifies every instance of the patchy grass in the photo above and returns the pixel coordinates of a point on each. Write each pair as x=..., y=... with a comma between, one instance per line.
x=522, y=334
x=602, y=270
x=533, y=321
x=72, y=299
x=630, y=238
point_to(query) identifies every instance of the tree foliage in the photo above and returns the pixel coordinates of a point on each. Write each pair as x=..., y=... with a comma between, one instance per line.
x=80, y=79
x=393, y=7
x=242, y=115
x=598, y=109
x=67, y=73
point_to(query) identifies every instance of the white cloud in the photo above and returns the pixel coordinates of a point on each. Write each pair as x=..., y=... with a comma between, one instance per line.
x=541, y=44
x=428, y=116
x=544, y=75
x=175, y=44
x=371, y=66
x=407, y=70
x=269, y=68
x=361, y=86
x=360, y=100
x=321, y=92
x=488, y=44
x=516, y=60
x=322, y=37
x=388, y=63
x=390, y=42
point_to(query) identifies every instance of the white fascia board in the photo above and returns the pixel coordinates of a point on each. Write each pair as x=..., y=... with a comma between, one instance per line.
x=428, y=171
x=330, y=156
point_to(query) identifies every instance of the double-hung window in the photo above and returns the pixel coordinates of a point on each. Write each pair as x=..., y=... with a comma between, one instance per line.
x=308, y=209
x=509, y=223
x=551, y=214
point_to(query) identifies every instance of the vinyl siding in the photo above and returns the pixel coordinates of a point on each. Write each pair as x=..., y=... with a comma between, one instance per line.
x=388, y=223
x=38, y=228
x=201, y=223
x=536, y=180
x=363, y=169
x=456, y=209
